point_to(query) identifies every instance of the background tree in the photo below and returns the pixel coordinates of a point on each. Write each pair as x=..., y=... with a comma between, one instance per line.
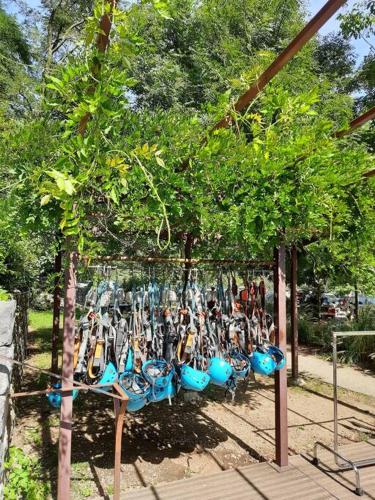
x=336, y=60
x=14, y=74
x=201, y=51
x=63, y=22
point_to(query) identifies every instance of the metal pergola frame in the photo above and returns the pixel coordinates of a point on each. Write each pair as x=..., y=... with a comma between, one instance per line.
x=66, y=419
x=346, y=463
x=328, y=10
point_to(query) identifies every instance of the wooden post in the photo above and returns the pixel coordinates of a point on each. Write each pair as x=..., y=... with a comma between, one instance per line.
x=281, y=389
x=56, y=314
x=294, y=311
x=65, y=438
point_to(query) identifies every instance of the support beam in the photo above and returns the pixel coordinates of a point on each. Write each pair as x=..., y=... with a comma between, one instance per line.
x=173, y=260
x=294, y=311
x=281, y=389
x=357, y=122
x=304, y=36
x=370, y=173
x=65, y=438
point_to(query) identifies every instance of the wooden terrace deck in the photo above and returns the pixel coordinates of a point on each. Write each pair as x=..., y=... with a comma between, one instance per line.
x=300, y=481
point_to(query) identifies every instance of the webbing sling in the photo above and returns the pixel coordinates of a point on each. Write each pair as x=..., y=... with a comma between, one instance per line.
x=77, y=344
x=190, y=338
x=170, y=336
x=155, y=328
x=85, y=332
x=122, y=344
x=99, y=346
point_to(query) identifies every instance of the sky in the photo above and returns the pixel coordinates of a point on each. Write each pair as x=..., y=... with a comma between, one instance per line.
x=360, y=46
x=314, y=6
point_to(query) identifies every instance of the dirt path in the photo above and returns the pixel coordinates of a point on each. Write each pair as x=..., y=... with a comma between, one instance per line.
x=163, y=443
x=352, y=378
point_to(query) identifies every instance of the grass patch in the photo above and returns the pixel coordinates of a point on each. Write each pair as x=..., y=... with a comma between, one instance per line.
x=40, y=320
x=34, y=437
x=40, y=330
x=344, y=395
x=40, y=326
x=82, y=484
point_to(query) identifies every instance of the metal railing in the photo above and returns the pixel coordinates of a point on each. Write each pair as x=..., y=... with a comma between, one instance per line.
x=345, y=462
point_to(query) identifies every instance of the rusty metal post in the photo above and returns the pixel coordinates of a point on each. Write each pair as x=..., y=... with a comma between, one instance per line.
x=281, y=389
x=120, y=408
x=65, y=438
x=294, y=311
x=56, y=313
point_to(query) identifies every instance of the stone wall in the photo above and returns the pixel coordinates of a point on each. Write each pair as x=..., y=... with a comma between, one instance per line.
x=13, y=341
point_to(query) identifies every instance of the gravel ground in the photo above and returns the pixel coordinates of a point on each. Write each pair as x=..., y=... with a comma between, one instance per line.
x=198, y=436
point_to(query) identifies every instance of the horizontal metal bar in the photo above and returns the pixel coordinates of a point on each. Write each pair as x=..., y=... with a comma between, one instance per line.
x=370, y=173
x=48, y=391
x=365, y=462
x=59, y=377
x=335, y=453
x=353, y=333
x=175, y=260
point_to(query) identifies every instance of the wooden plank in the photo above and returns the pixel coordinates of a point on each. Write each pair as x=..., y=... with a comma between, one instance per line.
x=254, y=481
x=262, y=481
x=340, y=483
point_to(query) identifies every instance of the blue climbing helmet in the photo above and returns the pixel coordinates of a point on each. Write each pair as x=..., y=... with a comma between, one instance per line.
x=159, y=374
x=54, y=398
x=241, y=364
x=137, y=389
x=193, y=379
x=109, y=376
x=262, y=362
x=219, y=370
x=278, y=355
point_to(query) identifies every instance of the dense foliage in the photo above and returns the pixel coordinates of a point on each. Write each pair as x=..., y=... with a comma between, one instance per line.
x=141, y=177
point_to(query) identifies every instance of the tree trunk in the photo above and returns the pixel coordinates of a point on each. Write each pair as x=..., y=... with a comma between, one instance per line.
x=356, y=301
x=188, y=249
x=56, y=314
x=319, y=299
x=65, y=439
x=49, y=48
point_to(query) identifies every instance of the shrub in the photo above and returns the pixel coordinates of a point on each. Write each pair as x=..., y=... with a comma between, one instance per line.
x=353, y=349
x=361, y=348
x=314, y=333
x=23, y=477
x=4, y=295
